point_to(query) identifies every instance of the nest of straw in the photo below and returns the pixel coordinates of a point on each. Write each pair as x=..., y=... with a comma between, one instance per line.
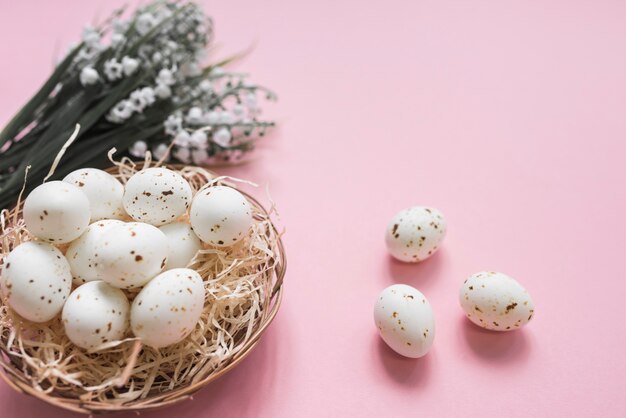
x=243, y=292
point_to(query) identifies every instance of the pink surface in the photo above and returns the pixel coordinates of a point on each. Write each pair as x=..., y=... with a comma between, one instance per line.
x=507, y=116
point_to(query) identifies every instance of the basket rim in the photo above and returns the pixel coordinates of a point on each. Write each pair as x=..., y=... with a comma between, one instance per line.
x=13, y=377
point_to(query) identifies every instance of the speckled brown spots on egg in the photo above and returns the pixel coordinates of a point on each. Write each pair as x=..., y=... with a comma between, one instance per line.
x=511, y=307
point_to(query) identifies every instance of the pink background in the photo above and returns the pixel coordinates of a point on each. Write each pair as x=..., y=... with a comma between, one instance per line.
x=509, y=116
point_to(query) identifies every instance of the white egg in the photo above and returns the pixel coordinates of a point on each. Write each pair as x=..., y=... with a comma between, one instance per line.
x=405, y=320
x=156, y=196
x=103, y=191
x=496, y=301
x=81, y=254
x=96, y=313
x=168, y=308
x=415, y=234
x=183, y=244
x=220, y=215
x=36, y=280
x=57, y=212
x=130, y=254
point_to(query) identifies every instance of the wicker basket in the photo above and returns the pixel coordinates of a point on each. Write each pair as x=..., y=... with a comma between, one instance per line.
x=11, y=364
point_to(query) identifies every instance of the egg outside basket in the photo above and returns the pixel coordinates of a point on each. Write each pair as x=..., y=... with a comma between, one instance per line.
x=39, y=360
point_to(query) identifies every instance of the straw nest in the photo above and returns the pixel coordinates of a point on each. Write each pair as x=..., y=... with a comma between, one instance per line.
x=243, y=292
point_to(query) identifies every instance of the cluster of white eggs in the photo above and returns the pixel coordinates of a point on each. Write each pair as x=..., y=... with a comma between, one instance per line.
x=97, y=240
x=403, y=315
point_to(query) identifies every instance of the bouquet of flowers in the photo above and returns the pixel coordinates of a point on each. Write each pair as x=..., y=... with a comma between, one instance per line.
x=136, y=84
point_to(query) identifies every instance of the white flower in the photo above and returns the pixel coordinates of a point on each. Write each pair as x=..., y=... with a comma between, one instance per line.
x=160, y=151
x=212, y=118
x=113, y=69
x=88, y=76
x=120, y=26
x=163, y=91
x=222, y=137
x=194, y=116
x=129, y=65
x=121, y=112
x=144, y=23
x=205, y=86
x=138, y=149
x=165, y=77
x=182, y=27
x=182, y=138
x=117, y=39
x=226, y=118
x=182, y=154
x=173, y=124
x=199, y=139
x=157, y=57
x=250, y=100
x=148, y=95
x=239, y=109
x=138, y=101
x=91, y=37
x=86, y=53
x=199, y=155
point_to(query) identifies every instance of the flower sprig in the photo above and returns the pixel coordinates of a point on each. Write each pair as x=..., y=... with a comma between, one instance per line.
x=139, y=84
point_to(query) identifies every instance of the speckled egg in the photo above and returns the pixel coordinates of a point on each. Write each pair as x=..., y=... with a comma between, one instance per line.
x=415, y=234
x=168, y=308
x=103, y=191
x=96, y=313
x=220, y=215
x=156, y=196
x=405, y=320
x=81, y=254
x=57, y=212
x=496, y=301
x=36, y=280
x=130, y=254
x=183, y=244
